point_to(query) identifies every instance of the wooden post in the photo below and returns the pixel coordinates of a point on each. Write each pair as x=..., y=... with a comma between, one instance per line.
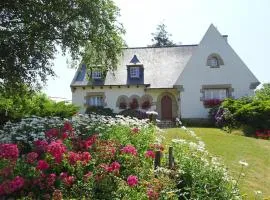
x=157, y=159
x=171, y=163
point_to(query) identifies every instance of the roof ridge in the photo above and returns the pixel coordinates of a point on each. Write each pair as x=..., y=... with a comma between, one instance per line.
x=150, y=47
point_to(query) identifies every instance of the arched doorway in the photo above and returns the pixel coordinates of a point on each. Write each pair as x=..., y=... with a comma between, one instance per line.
x=166, y=108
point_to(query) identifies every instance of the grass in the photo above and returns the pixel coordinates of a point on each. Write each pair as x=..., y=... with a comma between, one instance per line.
x=231, y=149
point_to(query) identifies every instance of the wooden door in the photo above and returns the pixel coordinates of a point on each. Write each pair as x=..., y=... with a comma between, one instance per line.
x=166, y=108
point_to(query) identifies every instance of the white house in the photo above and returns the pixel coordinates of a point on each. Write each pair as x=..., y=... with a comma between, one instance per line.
x=178, y=81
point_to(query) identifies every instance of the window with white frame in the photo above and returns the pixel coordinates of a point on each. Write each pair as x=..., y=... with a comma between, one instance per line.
x=215, y=94
x=134, y=72
x=94, y=101
x=96, y=75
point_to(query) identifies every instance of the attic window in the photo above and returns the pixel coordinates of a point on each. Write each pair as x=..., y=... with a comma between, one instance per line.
x=134, y=72
x=96, y=75
x=214, y=60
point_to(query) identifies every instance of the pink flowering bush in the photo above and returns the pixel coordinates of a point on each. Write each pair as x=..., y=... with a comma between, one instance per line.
x=70, y=165
x=132, y=180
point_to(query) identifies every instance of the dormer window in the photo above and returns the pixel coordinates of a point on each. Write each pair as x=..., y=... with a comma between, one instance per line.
x=134, y=72
x=96, y=75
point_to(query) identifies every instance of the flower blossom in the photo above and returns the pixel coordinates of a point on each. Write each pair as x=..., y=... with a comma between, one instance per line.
x=9, y=151
x=67, y=127
x=52, y=133
x=40, y=146
x=87, y=176
x=31, y=157
x=129, y=149
x=14, y=185
x=135, y=130
x=114, y=167
x=132, y=180
x=56, y=149
x=68, y=181
x=152, y=194
x=42, y=165
x=149, y=154
x=83, y=157
x=51, y=179
x=243, y=163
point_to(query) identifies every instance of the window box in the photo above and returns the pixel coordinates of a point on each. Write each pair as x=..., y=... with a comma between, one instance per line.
x=212, y=102
x=134, y=104
x=146, y=104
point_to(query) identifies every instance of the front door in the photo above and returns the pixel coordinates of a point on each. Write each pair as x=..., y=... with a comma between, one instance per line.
x=166, y=108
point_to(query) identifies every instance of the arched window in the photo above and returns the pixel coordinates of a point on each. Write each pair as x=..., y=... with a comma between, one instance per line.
x=146, y=101
x=122, y=102
x=134, y=101
x=214, y=60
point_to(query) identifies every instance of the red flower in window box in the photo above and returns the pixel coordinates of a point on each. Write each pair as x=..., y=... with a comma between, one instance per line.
x=146, y=104
x=212, y=102
x=134, y=104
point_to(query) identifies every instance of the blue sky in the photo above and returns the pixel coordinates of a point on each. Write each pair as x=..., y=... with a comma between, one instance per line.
x=246, y=22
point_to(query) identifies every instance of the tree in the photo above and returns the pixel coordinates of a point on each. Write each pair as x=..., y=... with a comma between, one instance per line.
x=264, y=92
x=161, y=37
x=31, y=31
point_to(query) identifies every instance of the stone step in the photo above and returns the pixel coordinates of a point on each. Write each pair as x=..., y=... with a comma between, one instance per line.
x=165, y=124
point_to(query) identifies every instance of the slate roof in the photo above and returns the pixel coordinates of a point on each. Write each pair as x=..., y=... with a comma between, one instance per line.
x=162, y=66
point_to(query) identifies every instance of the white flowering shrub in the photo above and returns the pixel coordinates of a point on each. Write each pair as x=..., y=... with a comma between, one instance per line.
x=200, y=175
x=33, y=128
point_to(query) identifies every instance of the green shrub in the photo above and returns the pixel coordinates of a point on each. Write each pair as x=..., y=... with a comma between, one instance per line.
x=199, y=175
x=100, y=110
x=134, y=113
x=249, y=112
x=14, y=108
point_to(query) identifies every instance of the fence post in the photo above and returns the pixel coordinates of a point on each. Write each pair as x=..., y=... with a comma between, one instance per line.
x=171, y=160
x=157, y=159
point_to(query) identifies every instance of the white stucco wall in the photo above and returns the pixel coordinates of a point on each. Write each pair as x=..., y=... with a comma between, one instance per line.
x=197, y=73
x=112, y=94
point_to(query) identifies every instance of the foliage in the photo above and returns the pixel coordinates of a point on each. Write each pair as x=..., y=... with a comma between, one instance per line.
x=99, y=110
x=18, y=106
x=231, y=148
x=161, y=37
x=264, y=92
x=68, y=163
x=81, y=27
x=246, y=111
x=199, y=175
x=98, y=157
x=223, y=118
x=140, y=114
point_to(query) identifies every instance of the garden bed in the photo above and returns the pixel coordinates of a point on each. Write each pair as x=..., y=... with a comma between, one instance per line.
x=100, y=157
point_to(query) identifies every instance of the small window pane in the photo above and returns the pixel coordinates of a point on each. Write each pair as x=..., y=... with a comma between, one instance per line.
x=134, y=72
x=96, y=75
x=95, y=101
x=213, y=62
x=215, y=94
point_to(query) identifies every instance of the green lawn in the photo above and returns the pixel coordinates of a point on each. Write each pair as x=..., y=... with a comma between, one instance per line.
x=232, y=148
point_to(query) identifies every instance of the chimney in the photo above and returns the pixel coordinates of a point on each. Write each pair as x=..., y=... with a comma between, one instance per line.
x=225, y=37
